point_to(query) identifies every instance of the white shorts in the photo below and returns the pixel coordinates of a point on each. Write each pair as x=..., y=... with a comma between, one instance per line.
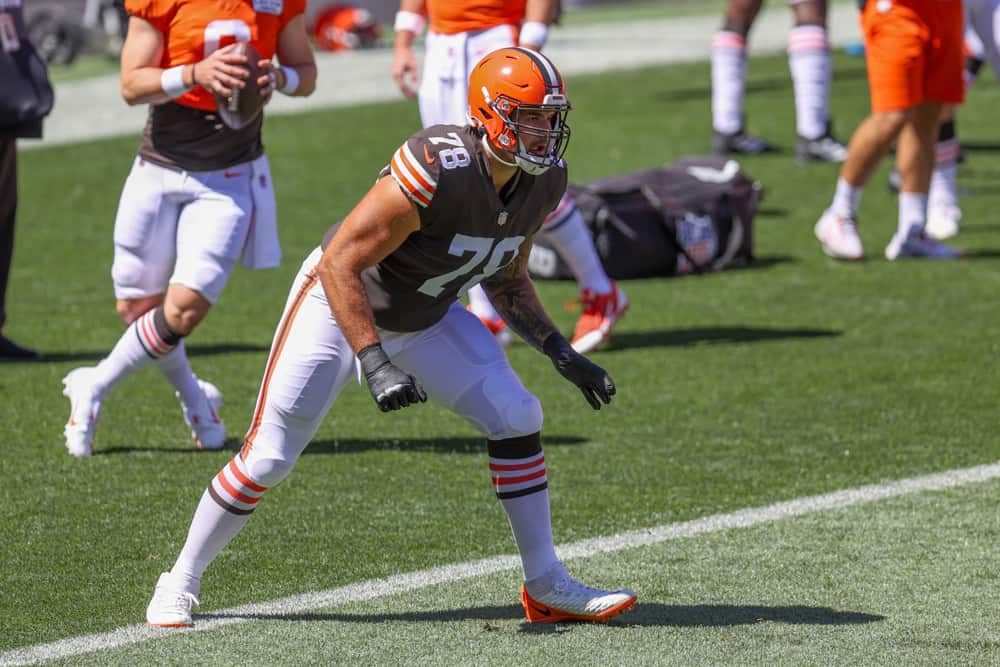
x=457, y=361
x=444, y=85
x=180, y=227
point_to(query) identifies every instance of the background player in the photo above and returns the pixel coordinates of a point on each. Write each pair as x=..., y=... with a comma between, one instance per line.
x=460, y=33
x=185, y=211
x=810, y=64
x=454, y=207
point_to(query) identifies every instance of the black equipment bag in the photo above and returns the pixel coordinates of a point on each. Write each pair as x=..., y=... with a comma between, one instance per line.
x=691, y=216
x=25, y=93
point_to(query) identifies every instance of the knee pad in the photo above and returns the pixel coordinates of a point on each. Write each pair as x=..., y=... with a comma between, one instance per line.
x=267, y=472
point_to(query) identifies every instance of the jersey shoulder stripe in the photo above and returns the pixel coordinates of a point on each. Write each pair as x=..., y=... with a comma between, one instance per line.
x=412, y=177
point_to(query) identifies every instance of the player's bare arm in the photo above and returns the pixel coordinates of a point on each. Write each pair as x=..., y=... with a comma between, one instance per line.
x=409, y=23
x=378, y=225
x=513, y=294
x=142, y=76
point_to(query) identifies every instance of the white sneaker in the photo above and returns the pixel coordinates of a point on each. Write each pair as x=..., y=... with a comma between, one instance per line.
x=84, y=411
x=555, y=597
x=918, y=244
x=942, y=222
x=171, y=606
x=839, y=236
x=203, y=419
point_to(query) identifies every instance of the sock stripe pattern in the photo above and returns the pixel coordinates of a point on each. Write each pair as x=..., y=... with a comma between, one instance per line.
x=234, y=491
x=517, y=466
x=150, y=339
x=726, y=39
x=808, y=38
x=946, y=152
x=560, y=214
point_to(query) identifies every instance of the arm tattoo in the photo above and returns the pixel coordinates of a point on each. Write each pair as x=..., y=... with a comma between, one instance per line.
x=514, y=297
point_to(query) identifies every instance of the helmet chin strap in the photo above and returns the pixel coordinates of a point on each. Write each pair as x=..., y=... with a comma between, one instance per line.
x=496, y=156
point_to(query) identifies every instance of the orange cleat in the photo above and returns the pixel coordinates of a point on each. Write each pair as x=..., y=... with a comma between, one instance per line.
x=600, y=313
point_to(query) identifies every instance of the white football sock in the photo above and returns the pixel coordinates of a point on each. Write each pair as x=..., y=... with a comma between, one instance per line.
x=846, y=200
x=531, y=524
x=944, y=179
x=481, y=304
x=912, y=212
x=177, y=369
x=810, y=63
x=729, y=77
x=138, y=346
x=573, y=242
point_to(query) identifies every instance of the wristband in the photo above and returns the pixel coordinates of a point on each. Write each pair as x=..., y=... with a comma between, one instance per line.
x=291, y=80
x=172, y=81
x=372, y=358
x=534, y=33
x=409, y=21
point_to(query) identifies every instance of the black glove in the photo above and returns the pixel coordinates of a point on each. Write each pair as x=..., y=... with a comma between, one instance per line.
x=592, y=380
x=391, y=387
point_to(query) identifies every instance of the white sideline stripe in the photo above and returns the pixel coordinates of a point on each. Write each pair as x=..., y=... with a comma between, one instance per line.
x=376, y=588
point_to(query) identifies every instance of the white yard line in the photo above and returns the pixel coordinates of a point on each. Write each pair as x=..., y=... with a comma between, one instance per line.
x=93, y=108
x=377, y=588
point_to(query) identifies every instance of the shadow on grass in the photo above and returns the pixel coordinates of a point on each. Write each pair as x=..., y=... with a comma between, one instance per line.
x=453, y=445
x=193, y=351
x=650, y=614
x=986, y=253
x=711, y=336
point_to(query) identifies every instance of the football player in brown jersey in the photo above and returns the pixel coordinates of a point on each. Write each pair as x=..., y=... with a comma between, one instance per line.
x=456, y=206
x=186, y=209
x=460, y=32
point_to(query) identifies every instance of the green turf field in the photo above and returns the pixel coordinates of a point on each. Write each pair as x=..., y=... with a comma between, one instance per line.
x=800, y=376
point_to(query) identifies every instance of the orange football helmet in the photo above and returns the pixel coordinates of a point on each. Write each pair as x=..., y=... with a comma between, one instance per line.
x=344, y=28
x=506, y=85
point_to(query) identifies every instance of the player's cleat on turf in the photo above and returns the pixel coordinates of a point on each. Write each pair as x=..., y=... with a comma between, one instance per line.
x=918, y=245
x=556, y=597
x=171, y=605
x=825, y=148
x=600, y=313
x=203, y=419
x=84, y=411
x=739, y=143
x=839, y=236
x=497, y=327
x=943, y=222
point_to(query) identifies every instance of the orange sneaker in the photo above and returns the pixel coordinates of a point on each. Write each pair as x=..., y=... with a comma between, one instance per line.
x=556, y=597
x=600, y=312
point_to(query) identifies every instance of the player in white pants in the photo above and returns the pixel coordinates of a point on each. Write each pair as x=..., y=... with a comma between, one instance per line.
x=460, y=33
x=453, y=208
x=810, y=63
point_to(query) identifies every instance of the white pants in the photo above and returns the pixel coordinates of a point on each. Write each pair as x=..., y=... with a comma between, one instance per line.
x=444, y=86
x=183, y=227
x=983, y=20
x=457, y=361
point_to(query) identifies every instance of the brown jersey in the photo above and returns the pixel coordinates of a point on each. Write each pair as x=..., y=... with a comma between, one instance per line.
x=468, y=231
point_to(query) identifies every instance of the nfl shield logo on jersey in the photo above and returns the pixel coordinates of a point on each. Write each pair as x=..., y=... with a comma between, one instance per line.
x=502, y=219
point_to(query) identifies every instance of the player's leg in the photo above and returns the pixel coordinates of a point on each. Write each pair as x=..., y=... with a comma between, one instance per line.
x=602, y=302
x=729, y=77
x=811, y=65
x=145, y=227
x=942, y=85
x=309, y=364
x=480, y=386
x=895, y=81
x=944, y=211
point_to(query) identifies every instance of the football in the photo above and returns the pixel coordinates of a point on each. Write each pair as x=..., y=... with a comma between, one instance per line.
x=241, y=108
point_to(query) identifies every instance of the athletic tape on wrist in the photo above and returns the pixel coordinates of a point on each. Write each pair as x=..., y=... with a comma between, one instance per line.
x=172, y=81
x=409, y=21
x=291, y=80
x=534, y=33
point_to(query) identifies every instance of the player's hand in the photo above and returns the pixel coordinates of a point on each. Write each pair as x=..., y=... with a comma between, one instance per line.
x=223, y=71
x=267, y=82
x=390, y=386
x=404, y=71
x=592, y=380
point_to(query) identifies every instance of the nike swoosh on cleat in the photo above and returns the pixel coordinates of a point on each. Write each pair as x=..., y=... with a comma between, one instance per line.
x=543, y=611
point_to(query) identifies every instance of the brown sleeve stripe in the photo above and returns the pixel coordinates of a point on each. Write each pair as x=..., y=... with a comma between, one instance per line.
x=280, y=338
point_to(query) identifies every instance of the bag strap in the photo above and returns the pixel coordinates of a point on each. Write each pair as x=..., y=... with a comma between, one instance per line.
x=657, y=205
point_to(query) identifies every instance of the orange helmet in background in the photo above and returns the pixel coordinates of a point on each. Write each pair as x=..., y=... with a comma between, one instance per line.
x=344, y=27
x=504, y=85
